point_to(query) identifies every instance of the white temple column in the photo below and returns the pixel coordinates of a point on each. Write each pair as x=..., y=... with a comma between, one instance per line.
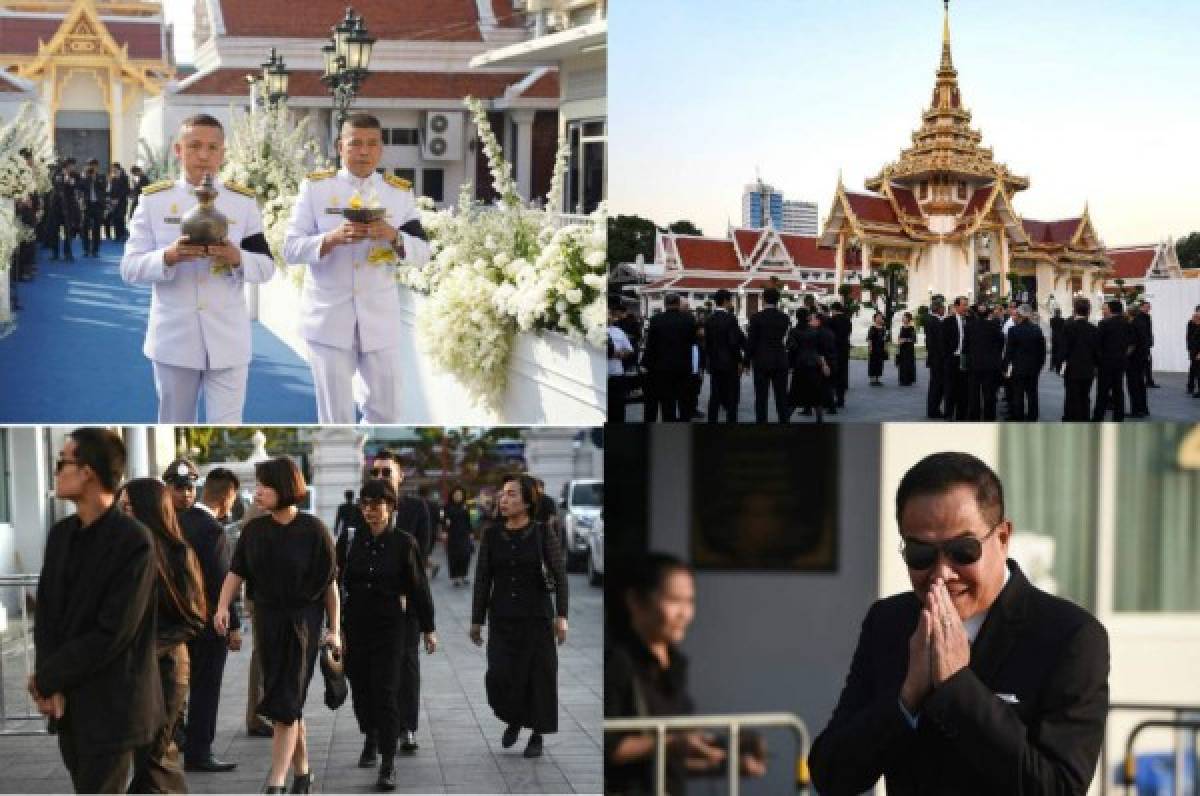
x=1003, y=248
x=866, y=259
x=337, y=462
x=550, y=456
x=839, y=260
x=137, y=447
x=116, y=121
x=524, y=152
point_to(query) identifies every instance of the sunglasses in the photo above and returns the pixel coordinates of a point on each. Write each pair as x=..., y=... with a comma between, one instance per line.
x=60, y=464
x=961, y=551
x=381, y=472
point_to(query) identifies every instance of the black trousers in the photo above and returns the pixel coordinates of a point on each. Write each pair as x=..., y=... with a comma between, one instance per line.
x=156, y=767
x=841, y=380
x=723, y=393
x=408, y=697
x=92, y=771
x=61, y=231
x=981, y=394
x=765, y=380
x=1024, y=404
x=93, y=217
x=373, y=668
x=1149, y=369
x=1110, y=394
x=1193, y=383
x=114, y=222
x=668, y=392
x=937, y=390
x=1135, y=380
x=1078, y=400
x=208, y=652
x=618, y=388
x=955, y=388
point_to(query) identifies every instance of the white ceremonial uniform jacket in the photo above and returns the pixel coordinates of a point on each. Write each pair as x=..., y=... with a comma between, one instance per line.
x=345, y=289
x=198, y=319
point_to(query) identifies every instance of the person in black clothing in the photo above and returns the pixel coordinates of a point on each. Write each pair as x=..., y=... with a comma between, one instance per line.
x=96, y=674
x=460, y=537
x=64, y=210
x=766, y=352
x=519, y=568
x=809, y=353
x=207, y=651
x=1114, y=342
x=667, y=360
x=906, y=355
x=1057, y=323
x=1139, y=361
x=182, y=613
x=1025, y=354
x=954, y=329
x=645, y=674
x=984, y=347
x=1149, y=322
x=138, y=181
x=93, y=191
x=383, y=582
x=1193, y=349
x=434, y=510
x=345, y=512
x=841, y=327
x=935, y=358
x=1080, y=356
x=725, y=346
x=118, y=203
x=286, y=557
x=877, y=350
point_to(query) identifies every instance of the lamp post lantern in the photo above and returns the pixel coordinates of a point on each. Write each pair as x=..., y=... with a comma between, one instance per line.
x=346, y=58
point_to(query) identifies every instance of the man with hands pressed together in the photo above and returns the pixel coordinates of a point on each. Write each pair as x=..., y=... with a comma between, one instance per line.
x=199, y=330
x=350, y=307
x=976, y=681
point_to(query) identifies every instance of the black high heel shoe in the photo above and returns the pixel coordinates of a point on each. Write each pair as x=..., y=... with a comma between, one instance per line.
x=302, y=784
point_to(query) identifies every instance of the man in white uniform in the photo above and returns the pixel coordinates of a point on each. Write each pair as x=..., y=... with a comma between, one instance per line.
x=350, y=310
x=199, y=330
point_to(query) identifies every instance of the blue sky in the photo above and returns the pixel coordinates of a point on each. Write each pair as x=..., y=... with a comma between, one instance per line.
x=1094, y=101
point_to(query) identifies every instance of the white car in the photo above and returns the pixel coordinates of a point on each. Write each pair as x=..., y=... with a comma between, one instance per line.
x=595, y=559
x=583, y=498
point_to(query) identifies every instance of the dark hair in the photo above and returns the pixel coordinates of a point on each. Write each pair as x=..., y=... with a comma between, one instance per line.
x=802, y=316
x=361, y=121
x=908, y=316
x=771, y=295
x=104, y=452
x=528, y=489
x=282, y=475
x=836, y=306
x=671, y=300
x=457, y=488
x=385, y=453
x=220, y=482
x=378, y=489
x=940, y=472
x=1083, y=307
x=349, y=495
x=150, y=504
x=722, y=295
x=202, y=120
x=645, y=575
x=1116, y=307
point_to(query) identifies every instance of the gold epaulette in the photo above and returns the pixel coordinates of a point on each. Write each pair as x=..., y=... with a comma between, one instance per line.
x=323, y=174
x=237, y=187
x=155, y=187
x=397, y=182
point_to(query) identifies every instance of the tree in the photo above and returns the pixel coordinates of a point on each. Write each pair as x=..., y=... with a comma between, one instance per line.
x=684, y=228
x=1188, y=250
x=629, y=236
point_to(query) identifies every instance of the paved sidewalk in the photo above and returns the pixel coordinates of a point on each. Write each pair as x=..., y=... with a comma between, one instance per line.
x=459, y=737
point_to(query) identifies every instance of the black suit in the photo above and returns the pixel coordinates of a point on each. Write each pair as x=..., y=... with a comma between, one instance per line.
x=1026, y=353
x=767, y=353
x=841, y=327
x=1137, y=374
x=118, y=195
x=935, y=359
x=1080, y=355
x=984, y=349
x=93, y=192
x=725, y=348
x=207, y=650
x=956, y=377
x=1149, y=358
x=668, y=363
x=1114, y=340
x=1193, y=347
x=1042, y=651
x=94, y=638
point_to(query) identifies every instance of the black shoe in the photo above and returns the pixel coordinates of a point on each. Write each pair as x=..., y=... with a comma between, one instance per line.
x=261, y=731
x=408, y=741
x=210, y=764
x=534, y=747
x=275, y=789
x=387, y=777
x=1153, y=384
x=368, y=758
x=510, y=736
x=302, y=784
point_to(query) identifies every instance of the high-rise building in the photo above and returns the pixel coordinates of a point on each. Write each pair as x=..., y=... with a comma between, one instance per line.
x=799, y=217
x=763, y=205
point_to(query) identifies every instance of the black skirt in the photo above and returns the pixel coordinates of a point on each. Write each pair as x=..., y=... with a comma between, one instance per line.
x=290, y=642
x=522, y=673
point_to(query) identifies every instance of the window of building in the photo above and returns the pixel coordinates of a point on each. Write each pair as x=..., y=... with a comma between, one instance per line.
x=404, y=136
x=433, y=184
x=406, y=174
x=586, y=167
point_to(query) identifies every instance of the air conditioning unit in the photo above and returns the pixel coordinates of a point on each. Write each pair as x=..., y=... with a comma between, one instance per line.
x=442, y=136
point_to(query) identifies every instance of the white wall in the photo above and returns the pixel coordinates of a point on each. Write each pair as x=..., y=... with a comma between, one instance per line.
x=1174, y=301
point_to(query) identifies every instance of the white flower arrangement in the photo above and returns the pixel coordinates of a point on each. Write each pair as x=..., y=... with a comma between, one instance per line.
x=10, y=236
x=27, y=131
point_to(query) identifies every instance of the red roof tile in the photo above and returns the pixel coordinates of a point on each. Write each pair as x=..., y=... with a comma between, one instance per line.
x=385, y=85
x=707, y=254
x=1054, y=232
x=908, y=202
x=978, y=200
x=806, y=254
x=872, y=207
x=1131, y=263
x=436, y=20
x=144, y=40
x=20, y=35
x=788, y=284
x=747, y=239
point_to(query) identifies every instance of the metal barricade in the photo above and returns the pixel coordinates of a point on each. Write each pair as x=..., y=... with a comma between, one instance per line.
x=732, y=722
x=28, y=720
x=1180, y=721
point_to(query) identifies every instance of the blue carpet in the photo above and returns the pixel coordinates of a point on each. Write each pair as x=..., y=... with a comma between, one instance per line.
x=75, y=355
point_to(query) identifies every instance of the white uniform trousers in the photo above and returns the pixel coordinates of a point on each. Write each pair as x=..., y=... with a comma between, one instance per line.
x=333, y=376
x=179, y=394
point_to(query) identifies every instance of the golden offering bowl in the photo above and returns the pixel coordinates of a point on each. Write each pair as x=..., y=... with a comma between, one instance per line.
x=363, y=215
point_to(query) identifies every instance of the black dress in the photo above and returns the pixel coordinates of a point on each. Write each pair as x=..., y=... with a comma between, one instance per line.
x=876, y=352
x=807, y=348
x=511, y=593
x=906, y=357
x=288, y=567
x=459, y=544
x=386, y=591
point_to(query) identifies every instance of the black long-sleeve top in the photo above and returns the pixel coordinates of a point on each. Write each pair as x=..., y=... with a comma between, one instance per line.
x=508, y=574
x=376, y=571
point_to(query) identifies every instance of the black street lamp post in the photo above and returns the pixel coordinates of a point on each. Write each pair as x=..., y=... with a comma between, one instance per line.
x=346, y=58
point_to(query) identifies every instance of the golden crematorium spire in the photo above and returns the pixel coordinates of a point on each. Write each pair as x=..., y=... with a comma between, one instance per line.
x=947, y=61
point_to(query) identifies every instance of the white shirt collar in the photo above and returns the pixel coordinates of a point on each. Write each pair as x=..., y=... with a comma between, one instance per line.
x=975, y=623
x=357, y=182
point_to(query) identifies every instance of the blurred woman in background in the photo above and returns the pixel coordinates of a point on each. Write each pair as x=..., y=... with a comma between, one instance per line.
x=460, y=542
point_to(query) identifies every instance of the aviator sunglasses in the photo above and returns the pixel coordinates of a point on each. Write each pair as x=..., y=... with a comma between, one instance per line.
x=961, y=551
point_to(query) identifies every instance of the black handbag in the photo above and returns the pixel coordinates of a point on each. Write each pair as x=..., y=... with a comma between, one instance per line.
x=334, y=673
